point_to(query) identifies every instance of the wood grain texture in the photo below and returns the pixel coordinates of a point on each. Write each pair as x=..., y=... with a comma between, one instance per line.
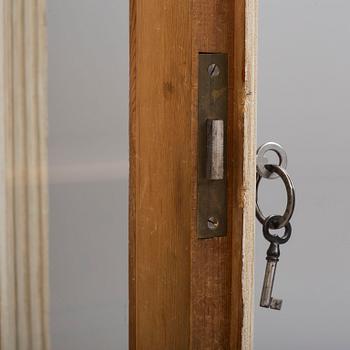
x=187, y=293
x=160, y=174
x=23, y=178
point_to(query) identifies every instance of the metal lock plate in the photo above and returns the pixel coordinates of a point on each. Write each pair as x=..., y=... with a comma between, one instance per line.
x=212, y=159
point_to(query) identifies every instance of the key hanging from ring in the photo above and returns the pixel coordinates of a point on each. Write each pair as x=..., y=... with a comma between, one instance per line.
x=274, y=222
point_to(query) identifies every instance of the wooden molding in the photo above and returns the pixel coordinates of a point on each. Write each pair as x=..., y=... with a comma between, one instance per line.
x=23, y=176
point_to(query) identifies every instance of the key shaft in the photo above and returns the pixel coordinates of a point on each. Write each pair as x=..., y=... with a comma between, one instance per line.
x=266, y=294
x=266, y=299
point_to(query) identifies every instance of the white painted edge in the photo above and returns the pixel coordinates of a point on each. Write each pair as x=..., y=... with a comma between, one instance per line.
x=249, y=172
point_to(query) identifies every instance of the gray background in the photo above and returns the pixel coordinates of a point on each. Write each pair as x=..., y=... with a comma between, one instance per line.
x=303, y=103
x=304, y=73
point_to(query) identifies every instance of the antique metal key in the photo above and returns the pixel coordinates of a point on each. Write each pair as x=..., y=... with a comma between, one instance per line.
x=266, y=299
x=273, y=254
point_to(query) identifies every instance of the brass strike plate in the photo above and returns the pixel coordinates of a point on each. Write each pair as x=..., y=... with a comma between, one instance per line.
x=212, y=135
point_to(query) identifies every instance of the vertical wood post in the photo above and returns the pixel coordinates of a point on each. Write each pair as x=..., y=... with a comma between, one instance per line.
x=23, y=176
x=187, y=293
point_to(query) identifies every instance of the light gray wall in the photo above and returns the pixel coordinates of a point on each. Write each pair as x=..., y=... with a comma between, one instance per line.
x=88, y=168
x=304, y=95
x=304, y=73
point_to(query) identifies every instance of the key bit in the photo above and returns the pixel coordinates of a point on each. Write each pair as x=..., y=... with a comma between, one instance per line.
x=276, y=304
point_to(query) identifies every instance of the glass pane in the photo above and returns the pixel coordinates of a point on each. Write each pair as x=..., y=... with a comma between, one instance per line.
x=88, y=171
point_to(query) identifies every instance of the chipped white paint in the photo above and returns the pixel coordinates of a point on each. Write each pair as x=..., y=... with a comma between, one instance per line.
x=249, y=173
x=23, y=176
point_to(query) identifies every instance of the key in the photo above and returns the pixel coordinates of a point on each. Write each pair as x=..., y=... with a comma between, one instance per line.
x=273, y=254
x=266, y=299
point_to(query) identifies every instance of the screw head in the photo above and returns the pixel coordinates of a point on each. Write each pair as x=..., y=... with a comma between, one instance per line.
x=213, y=70
x=213, y=223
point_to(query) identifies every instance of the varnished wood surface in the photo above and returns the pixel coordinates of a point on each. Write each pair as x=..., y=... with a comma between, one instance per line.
x=161, y=166
x=187, y=293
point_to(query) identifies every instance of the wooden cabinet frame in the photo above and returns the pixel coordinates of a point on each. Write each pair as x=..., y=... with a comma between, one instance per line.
x=187, y=293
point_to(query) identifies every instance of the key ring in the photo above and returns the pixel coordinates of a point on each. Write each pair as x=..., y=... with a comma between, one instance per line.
x=270, y=222
x=261, y=160
x=285, y=218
